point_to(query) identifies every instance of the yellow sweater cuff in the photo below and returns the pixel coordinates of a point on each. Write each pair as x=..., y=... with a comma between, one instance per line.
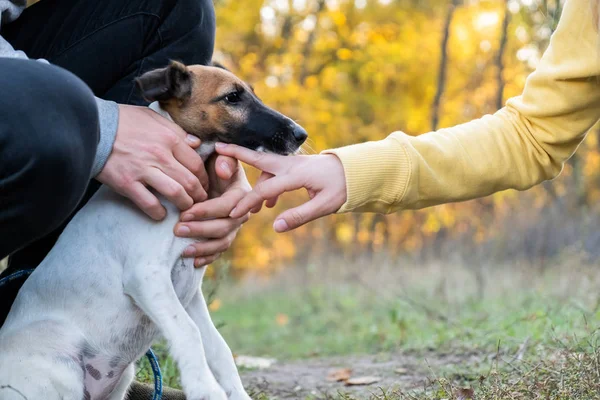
x=377, y=175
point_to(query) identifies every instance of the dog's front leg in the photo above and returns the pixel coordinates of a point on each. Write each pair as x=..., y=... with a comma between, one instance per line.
x=218, y=353
x=153, y=292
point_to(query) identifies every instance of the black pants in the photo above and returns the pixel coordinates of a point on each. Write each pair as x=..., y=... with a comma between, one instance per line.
x=48, y=119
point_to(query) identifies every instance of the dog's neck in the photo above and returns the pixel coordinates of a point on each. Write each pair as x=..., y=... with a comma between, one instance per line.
x=205, y=150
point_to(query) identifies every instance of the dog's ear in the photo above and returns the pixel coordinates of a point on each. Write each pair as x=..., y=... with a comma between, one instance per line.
x=164, y=84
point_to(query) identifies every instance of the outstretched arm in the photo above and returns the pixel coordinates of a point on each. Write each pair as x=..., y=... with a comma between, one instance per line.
x=521, y=145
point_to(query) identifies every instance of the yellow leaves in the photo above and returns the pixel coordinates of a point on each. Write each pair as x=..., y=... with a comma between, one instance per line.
x=263, y=257
x=215, y=305
x=338, y=18
x=358, y=78
x=324, y=117
x=248, y=63
x=344, y=54
x=311, y=82
x=344, y=233
x=432, y=224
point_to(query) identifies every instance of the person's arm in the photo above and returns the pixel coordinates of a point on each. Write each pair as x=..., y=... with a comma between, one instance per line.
x=108, y=111
x=523, y=144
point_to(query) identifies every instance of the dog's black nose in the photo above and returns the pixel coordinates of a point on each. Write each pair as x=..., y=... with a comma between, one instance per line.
x=300, y=134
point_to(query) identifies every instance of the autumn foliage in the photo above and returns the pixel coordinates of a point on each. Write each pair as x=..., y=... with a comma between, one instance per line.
x=356, y=70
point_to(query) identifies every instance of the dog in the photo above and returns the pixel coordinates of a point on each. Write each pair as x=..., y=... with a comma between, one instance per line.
x=115, y=281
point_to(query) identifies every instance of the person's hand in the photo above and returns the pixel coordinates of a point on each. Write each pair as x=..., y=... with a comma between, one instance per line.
x=152, y=152
x=210, y=220
x=321, y=175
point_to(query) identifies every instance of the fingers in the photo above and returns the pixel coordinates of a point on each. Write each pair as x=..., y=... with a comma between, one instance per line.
x=169, y=188
x=265, y=190
x=298, y=216
x=192, y=141
x=202, y=261
x=226, y=167
x=209, y=248
x=212, y=228
x=219, y=207
x=189, y=171
x=265, y=162
x=272, y=202
x=146, y=201
x=263, y=177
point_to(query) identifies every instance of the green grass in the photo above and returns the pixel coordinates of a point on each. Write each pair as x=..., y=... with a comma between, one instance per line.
x=343, y=321
x=552, y=317
x=325, y=321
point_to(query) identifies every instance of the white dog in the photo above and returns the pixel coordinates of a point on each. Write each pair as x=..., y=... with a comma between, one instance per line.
x=115, y=281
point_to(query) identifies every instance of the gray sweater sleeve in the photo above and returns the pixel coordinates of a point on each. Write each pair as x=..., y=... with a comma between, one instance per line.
x=108, y=111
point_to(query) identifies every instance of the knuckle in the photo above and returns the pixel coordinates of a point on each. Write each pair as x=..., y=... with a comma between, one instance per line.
x=222, y=231
x=172, y=138
x=124, y=183
x=191, y=184
x=297, y=218
x=154, y=149
x=152, y=205
x=197, y=167
x=259, y=189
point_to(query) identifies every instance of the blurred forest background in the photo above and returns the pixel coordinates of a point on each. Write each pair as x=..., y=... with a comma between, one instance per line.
x=356, y=70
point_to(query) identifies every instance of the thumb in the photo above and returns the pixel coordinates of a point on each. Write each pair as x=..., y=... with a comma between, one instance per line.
x=298, y=216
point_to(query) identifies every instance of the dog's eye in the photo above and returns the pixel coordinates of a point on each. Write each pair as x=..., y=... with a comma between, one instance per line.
x=233, y=97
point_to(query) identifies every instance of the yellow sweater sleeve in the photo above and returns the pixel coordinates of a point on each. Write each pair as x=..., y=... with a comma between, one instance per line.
x=521, y=145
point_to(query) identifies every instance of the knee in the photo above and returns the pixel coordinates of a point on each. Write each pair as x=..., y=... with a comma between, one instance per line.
x=190, y=29
x=54, y=124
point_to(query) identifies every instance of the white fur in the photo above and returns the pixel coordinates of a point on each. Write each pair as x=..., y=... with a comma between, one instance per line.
x=113, y=284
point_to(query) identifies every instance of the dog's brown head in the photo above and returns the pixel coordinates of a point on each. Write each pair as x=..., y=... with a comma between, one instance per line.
x=213, y=104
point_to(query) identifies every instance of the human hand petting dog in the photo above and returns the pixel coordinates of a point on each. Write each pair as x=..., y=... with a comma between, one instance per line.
x=321, y=175
x=210, y=219
x=153, y=152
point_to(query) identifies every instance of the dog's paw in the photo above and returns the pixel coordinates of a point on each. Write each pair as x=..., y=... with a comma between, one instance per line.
x=213, y=392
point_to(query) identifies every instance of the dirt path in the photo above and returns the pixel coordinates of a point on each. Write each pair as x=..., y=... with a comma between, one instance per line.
x=296, y=380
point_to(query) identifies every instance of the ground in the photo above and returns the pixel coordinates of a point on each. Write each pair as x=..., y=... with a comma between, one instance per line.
x=315, y=377
x=426, y=333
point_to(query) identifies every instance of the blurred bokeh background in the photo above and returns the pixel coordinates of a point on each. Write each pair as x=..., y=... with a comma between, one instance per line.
x=356, y=70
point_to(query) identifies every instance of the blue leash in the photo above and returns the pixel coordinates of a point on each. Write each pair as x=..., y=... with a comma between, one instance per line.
x=158, y=389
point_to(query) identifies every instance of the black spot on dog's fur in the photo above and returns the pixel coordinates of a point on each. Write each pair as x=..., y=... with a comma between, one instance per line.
x=88, y=352
x=93, y=372
x=114, y=361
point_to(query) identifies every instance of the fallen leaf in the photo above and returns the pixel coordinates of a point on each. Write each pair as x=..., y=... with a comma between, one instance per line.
x=401, y=371
x=465, y=394
x=282, y=319
x=362, y=380
x=215, y=305
x=339, y=375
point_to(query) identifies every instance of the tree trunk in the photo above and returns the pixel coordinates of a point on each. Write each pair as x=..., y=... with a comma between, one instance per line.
x=500, y=56
x=435, y=109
